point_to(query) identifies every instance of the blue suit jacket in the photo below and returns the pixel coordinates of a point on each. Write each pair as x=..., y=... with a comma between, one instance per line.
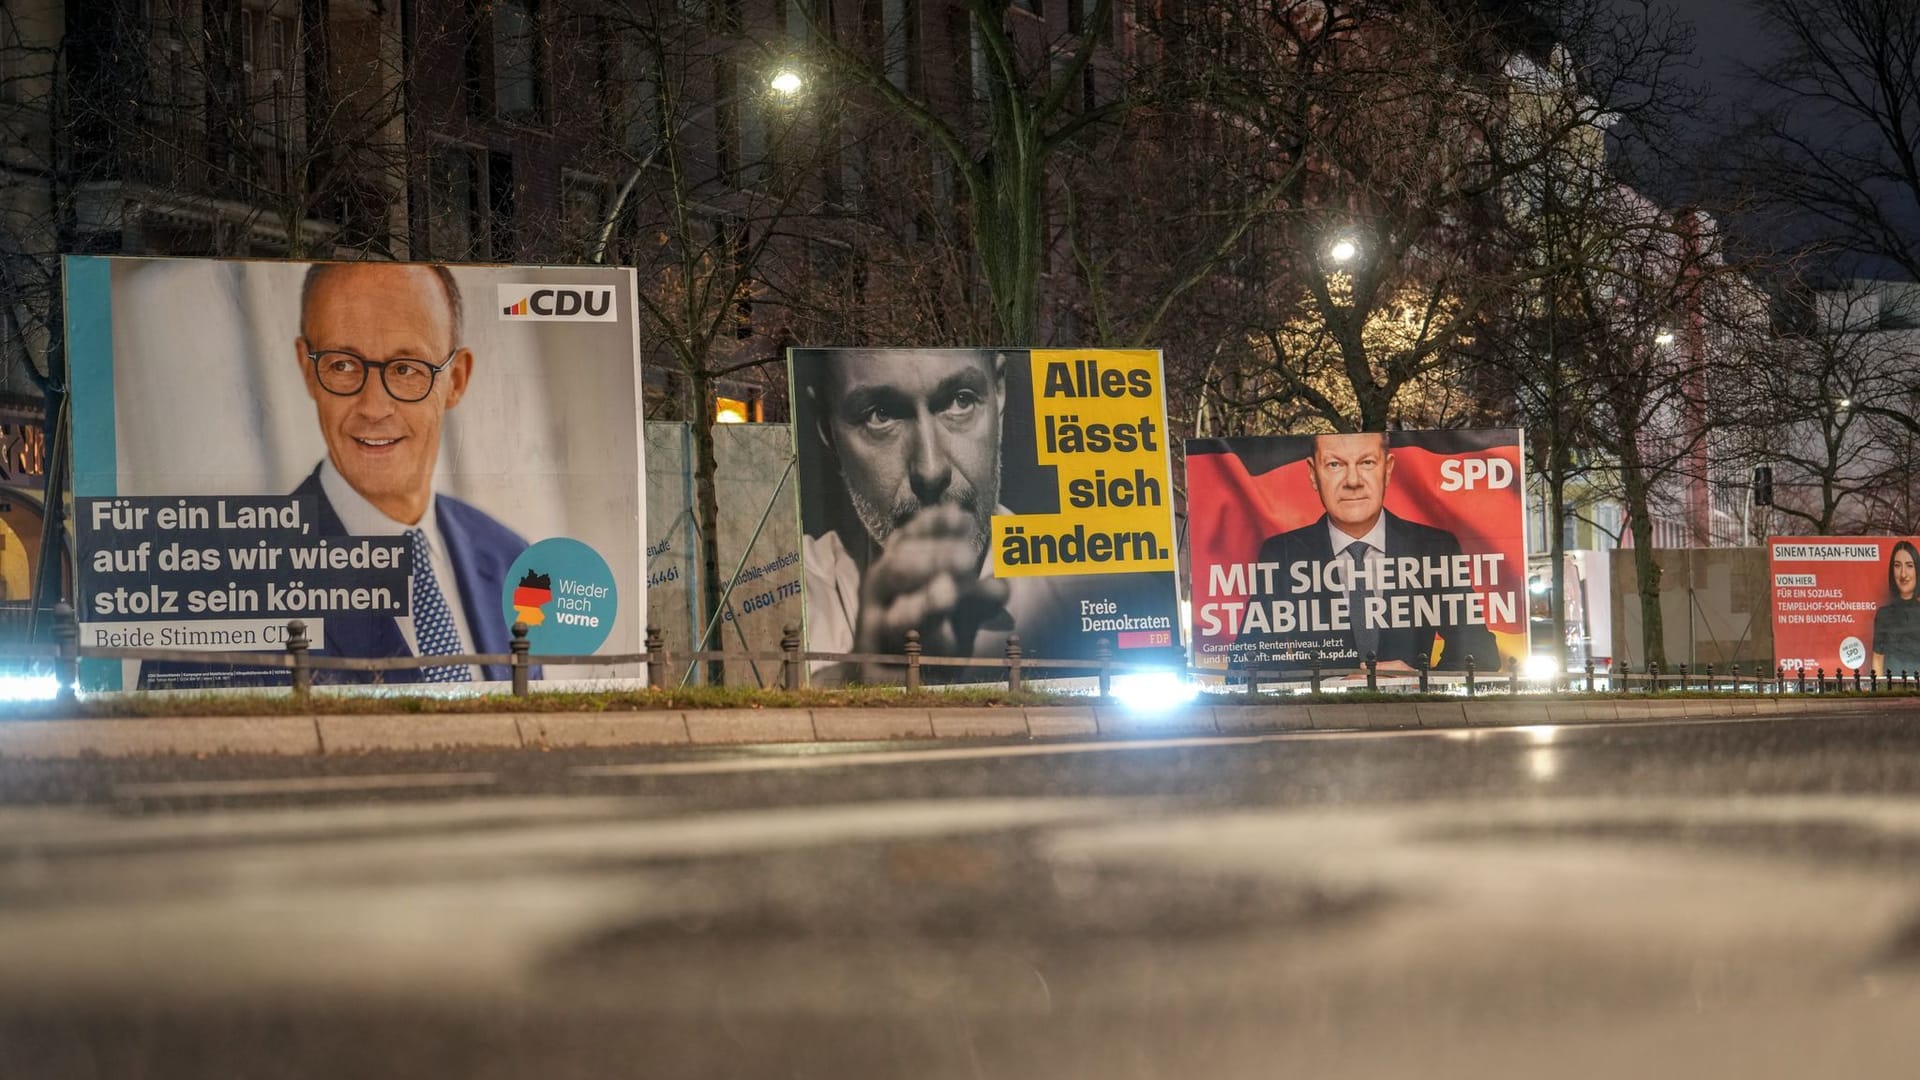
x=482, y=551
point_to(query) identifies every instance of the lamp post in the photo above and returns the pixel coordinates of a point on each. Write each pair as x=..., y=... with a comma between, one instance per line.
x=785, y=84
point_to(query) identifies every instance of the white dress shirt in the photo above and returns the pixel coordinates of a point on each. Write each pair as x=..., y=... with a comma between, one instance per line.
x=362, y=518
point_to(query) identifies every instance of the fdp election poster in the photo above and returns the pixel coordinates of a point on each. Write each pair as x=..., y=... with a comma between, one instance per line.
x=975, y=494
x=1846, y=602
x=1313, y=551
x=407, y=458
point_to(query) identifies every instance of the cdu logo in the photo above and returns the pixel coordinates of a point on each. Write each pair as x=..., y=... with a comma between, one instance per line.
x=555, y=303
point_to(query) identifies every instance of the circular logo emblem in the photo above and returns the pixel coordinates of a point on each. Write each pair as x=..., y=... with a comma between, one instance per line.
x=1852, y=653
x=564, y=592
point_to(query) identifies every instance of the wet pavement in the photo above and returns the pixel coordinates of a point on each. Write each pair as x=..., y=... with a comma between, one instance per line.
x=1705, y=899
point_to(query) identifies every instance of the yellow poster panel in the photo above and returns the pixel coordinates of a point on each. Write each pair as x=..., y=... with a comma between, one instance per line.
x=1100, y=419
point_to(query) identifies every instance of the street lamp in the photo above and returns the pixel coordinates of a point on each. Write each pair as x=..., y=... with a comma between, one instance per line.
x=786, y=84
x=1664, y=337
x=1343, y=250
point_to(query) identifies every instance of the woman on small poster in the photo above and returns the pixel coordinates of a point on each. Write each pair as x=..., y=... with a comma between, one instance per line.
x=1896, y=625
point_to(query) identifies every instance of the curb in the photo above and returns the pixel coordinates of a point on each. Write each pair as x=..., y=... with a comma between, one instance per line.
x=320, y=734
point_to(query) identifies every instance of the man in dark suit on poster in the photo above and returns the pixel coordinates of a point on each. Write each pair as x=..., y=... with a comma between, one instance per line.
x=1350, y=473
x=379, y=350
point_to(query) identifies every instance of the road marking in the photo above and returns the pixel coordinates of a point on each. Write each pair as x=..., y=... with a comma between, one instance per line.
x=299, y=785
x=830, y=760
x=817, y=756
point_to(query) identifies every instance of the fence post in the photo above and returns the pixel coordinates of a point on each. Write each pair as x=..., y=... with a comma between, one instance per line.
x=1873, y=680
x=1736, y=678
x=1423, y=674
x=1683, y=677
x=1313, y=678
x=1589, y=674
x=1253, y=682
x=1013, y=663
x=913, y=660
x=1620, y=676
x=1469, y=674
x=1513, y=676
x=656, y=658
x=1103, y=652
x=1820, y=678
x=1373, y=671
x=297, y=648
x=1710, y=679
x=66, y=651
x=1800, y=680
x=519, y=647
x=790, y=667
x=1856, y=680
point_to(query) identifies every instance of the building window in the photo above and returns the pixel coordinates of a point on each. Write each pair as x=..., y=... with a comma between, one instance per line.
x=500, y=203
x=583, y=202
x=279, y=49
x=900, y=43
x=455, y=226
x=517, y=89
x=13, y=61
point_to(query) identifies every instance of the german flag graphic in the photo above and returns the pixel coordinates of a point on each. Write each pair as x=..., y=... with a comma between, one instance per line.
x=534, y=592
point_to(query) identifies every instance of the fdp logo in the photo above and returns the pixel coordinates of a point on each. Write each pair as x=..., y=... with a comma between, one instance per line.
x=556, y=303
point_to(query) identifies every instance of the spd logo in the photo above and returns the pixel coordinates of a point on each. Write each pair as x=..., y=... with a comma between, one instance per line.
x=558, y=303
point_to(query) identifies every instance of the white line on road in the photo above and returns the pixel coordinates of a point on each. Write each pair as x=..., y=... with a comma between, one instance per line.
x=830, y=760
x=818, y=757
x=299, y=785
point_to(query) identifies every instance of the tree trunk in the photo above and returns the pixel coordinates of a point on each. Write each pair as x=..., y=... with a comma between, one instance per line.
x=1653, y=635
x=707, y=500
x=1557, y=544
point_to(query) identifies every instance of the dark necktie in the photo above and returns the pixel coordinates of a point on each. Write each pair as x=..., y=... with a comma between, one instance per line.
x=1365, y=638
x=433, y=628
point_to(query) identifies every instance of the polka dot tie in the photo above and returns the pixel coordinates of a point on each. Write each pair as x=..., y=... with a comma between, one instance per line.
x=433, y=627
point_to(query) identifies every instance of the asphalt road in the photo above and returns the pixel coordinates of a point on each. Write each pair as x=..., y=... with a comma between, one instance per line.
x=1735, y=899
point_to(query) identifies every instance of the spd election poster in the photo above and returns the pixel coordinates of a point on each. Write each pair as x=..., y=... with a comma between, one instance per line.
x=1845, y=602
x=1315, y=551
x=975, y=494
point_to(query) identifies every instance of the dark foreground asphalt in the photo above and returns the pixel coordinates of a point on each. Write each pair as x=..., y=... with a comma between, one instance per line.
x=1707, y=900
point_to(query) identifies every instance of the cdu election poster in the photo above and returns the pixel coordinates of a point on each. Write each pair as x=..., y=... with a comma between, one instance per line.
x=407, y=458
x=972, y=495
x=1846, y=602
x=1316, y=551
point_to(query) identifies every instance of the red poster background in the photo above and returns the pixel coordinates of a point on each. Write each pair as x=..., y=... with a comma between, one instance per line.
x=1811, y=623
x=1231, y=511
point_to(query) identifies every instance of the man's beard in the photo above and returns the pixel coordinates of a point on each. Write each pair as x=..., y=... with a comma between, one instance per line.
x=880, y=523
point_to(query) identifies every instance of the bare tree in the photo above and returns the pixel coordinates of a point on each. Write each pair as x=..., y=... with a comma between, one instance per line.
x=721, y=169
x=1831, y=142
x=1822, y=393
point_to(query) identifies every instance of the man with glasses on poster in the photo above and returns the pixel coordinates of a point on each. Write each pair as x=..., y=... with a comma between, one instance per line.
x=380, y=351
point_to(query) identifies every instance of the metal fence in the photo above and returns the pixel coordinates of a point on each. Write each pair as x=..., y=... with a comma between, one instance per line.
x=1014, y=668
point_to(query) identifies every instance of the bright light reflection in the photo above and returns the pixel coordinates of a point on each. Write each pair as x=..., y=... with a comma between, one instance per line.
x=786, y=82
x=1540, y=668
x=29, y=687
x=1540, y=734
x=1664, y=337
x=1342, y=250
x=1153, y=691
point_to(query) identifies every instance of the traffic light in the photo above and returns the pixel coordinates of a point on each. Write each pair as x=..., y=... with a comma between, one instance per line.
x=1763, y=485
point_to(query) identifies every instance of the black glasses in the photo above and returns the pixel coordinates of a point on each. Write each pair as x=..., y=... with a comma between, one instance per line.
x=406, y=379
